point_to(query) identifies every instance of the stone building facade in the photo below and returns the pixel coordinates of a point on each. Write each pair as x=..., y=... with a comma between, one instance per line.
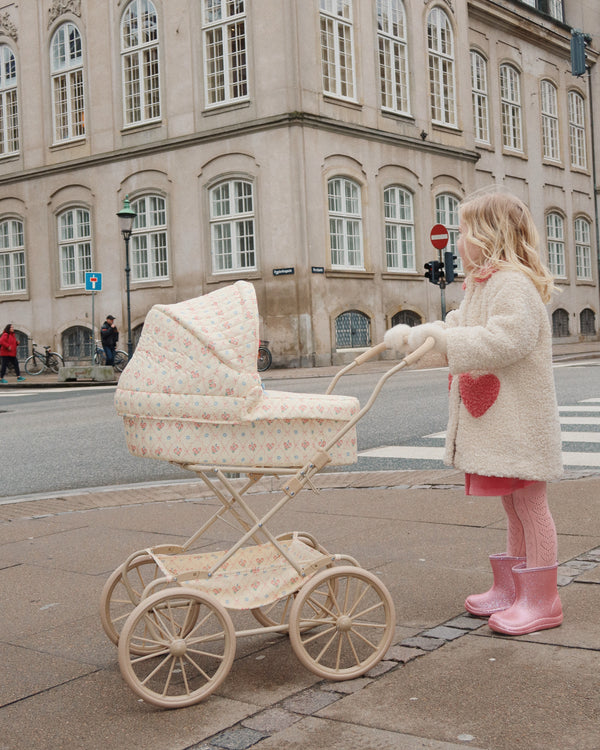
x=307, y=146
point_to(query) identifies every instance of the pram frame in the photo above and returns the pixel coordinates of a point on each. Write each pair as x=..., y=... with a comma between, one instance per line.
x=253, y=527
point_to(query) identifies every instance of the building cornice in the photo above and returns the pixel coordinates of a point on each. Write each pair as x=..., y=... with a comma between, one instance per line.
x=291, y=119
x=524, y=22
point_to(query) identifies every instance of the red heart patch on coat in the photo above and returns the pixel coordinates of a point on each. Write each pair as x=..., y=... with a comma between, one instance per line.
x=478, y=394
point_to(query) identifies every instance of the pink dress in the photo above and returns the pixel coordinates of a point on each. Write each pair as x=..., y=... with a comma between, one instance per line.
x=476, y=484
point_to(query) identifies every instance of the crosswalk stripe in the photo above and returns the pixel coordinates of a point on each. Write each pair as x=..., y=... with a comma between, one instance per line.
x=579, y=408
x=429, y=453
x=570, y=458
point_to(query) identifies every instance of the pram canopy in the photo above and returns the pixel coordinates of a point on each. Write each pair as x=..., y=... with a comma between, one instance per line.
x=192, y=394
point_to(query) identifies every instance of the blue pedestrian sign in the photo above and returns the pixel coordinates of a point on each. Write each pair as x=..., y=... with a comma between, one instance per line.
x=93, y=282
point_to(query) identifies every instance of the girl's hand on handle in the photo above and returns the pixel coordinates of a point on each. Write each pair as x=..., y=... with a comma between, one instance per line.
x=419, y=334
x=397, y=337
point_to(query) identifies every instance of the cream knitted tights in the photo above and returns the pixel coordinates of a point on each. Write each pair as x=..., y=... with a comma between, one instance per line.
x=531, y=530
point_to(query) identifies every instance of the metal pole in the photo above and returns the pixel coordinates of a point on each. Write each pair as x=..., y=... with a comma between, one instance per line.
x=93, y=346
x=594, y=180
x=127, y=272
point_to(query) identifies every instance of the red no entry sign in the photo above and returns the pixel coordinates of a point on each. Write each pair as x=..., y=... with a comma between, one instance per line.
x=439, y=236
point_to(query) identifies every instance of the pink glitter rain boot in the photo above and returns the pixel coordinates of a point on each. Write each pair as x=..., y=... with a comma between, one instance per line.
x=537, y=605
x=502, y=593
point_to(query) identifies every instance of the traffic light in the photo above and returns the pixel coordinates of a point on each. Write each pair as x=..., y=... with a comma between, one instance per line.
x=434, y=271
x=578, y=44
x=450, y=266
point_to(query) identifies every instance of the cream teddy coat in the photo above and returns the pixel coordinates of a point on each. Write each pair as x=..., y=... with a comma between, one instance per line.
x=503, y=415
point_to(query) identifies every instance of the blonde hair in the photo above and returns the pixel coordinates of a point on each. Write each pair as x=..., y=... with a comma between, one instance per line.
x=502, y=227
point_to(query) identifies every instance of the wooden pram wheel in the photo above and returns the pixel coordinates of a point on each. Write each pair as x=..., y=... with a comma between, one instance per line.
x=189, y=643
x=342, y=622
x=116, y=602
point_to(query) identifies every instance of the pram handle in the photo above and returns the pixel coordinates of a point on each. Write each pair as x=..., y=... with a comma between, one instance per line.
x=370, y=353
x=409, y=359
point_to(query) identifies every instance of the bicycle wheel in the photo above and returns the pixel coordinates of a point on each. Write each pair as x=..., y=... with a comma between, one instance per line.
x=99, y=357
x=55, y=362
x=264, y=359
x=34, y=365
x=121, y=360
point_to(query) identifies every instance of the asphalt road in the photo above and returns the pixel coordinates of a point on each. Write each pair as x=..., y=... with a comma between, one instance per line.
x=59, y=440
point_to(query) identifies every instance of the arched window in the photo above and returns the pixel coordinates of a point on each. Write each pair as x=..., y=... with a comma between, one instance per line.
x=587, y=322
x=393, y=60
x=140, y=63
x=555, y=238
x=583, y=249
x=225, y=56
x=68, y=100
x=13, y=277
x=352, y=330
x=74, y=246
x=577, y=145
x=512, y=117
x=9, y=110
x=560, y=323
x=408, y=317
x=232, y=231
x=442, y=87
x=149, y=255
x=479, y=87
x=77, y=343
x=446, y=213
x=337, y=55
x=549, y=102
x=345, y=223
x=399, y=229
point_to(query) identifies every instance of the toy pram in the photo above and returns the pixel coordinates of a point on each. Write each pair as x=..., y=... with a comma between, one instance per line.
x=191, y=394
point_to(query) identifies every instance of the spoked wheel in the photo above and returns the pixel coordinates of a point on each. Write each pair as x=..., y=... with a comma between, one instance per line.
x=116, y=603
x=342, y=623
x=34, y=365
x=55, y=362
x=187, y=642
x=121, y=360
x=264, y=359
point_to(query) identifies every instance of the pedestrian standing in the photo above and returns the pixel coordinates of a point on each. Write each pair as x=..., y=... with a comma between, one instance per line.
x=109, y=333
x=503, y=429
x=8, y=353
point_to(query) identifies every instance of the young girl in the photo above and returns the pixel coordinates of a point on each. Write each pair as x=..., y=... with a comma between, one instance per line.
x=503, y=429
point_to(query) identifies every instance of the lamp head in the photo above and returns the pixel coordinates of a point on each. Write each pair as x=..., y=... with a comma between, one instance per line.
x=126, y=217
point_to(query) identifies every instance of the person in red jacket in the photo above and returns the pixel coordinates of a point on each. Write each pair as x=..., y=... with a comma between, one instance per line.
x=8, y=352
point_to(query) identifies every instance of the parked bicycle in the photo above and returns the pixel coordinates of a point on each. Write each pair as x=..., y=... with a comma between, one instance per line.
x=38, y=363
x=121, y=358
x=264, y=358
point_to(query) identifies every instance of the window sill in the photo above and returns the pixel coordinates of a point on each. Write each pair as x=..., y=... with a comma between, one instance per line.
x=345, y=273
x=401, y=275
x=585, y=282
x=443, y=127
x=71, y=143
x=393, y=114
x=231, y=276
x=217, y=109
x=350, y=103
x=149, y=283
x=516, y=154
x=136, y=127
x=16, y=297
x=551, y=163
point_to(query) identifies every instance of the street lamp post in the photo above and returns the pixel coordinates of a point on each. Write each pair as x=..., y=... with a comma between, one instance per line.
x=126, y=217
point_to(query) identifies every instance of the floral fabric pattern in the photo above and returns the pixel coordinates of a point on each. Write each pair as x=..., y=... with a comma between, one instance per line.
x=192, y=394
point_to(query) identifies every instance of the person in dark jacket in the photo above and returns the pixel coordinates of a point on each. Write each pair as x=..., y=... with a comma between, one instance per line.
x=109, y=334
x=8, y=352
